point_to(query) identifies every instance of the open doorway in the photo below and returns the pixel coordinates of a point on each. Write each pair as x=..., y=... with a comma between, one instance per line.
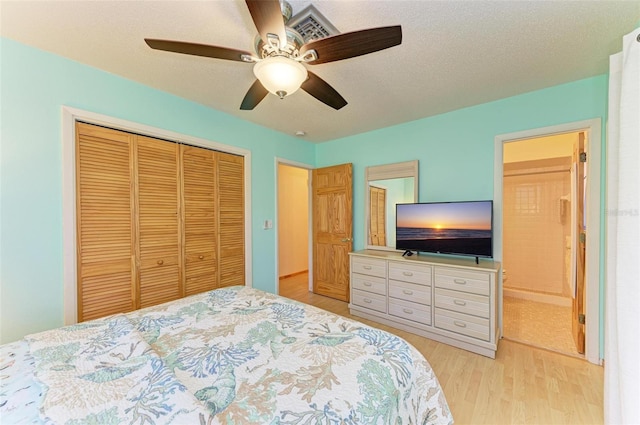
x=586, y=318
x=539, y=262
x=293, y=230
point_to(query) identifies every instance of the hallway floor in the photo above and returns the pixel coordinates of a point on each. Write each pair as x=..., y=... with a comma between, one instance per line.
x=539, y=324
x=296, y=287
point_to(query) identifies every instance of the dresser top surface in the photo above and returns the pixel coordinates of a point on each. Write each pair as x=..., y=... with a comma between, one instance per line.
x=470, y=263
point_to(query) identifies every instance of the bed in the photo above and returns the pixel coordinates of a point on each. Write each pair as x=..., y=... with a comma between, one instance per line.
x=230, y=356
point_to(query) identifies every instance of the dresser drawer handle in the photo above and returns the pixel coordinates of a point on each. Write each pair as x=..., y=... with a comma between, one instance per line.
x=160, y=262
x=407, y=310
x=367, y=300
x=407, y=292
x=367, y=283
x=458, y=302
x=201, y=257
x=407, y=273
x=460, y=281
x=366, y=267
x=459, y=324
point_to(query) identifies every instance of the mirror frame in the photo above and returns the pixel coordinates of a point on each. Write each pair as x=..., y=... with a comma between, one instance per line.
x=397, y=170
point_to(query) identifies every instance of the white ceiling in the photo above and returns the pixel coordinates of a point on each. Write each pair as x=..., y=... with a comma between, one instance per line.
x=454, y=54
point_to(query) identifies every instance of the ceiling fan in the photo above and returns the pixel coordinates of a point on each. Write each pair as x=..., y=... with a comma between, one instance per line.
x=281, y=52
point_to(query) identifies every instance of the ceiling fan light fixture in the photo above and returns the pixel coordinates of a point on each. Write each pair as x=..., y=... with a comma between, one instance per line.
x=280, y=75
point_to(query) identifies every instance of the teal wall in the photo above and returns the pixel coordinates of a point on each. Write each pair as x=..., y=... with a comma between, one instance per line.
x=35, y=85
x=456, y=150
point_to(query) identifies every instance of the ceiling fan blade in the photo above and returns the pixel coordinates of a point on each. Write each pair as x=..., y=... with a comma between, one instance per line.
x=256, y=93
x=197, y=49
x=267, y=16
x=322, y=91
x=352, y=44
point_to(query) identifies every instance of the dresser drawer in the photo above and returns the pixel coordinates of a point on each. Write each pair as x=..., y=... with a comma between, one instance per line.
x=420, y=294
x=369, y=266
x=373, y=284
x=464, y=324
x=413, y=273
x=463, y=280
x=369, y=300
x=476, y=305
x=411, y=311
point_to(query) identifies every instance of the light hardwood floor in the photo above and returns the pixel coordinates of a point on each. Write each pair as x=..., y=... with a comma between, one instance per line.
x=523, y=385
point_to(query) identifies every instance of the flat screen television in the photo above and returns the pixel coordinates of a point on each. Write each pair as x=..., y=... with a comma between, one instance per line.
x=456, y=228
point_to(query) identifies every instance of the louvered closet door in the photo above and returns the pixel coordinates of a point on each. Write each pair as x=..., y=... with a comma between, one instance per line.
x=159, y=221
x=105, y=235
x=231, y=218
x=200, y=222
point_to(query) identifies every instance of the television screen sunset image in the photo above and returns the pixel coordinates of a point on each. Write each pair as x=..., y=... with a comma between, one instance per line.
x=447, y=227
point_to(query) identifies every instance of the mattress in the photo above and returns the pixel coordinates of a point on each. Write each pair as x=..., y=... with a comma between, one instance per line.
x=229, y=356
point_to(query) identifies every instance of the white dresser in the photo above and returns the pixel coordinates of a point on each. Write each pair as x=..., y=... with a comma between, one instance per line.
x=446, y=299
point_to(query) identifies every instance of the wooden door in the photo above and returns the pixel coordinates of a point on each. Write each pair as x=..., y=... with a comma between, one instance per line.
x=230, y=201
x=106, y=269
x=160, y=259
x=200, y=219
x=578, y=318
x=332, y=230
x=378, y=218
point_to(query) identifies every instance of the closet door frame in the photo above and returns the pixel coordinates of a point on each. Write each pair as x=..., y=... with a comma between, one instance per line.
x=69, y=118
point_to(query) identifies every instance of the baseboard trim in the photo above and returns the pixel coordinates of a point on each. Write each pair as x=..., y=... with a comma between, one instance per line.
x=536, y=296
x=293, y=274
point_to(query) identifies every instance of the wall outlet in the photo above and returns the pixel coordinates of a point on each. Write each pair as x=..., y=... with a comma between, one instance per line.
x=268, y=224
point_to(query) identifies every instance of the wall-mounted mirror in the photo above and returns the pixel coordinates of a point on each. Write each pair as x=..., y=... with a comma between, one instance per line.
x=385, y=186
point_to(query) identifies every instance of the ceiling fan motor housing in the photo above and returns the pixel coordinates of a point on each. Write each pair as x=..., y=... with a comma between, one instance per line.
x=287, y=11
x=271, y=47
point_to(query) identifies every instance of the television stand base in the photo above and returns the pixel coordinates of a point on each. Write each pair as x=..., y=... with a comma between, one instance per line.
x=407, y=253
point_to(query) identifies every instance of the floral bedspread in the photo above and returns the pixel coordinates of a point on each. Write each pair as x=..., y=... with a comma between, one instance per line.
x=233, y=356
x=19, y=394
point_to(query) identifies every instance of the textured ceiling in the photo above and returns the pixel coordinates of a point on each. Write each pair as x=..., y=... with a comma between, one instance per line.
x=454, y=54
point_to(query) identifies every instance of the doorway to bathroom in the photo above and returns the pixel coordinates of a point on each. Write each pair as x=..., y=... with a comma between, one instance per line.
x=543, y=257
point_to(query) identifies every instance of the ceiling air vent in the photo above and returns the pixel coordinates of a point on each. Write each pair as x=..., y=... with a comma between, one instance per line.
x=311, y=24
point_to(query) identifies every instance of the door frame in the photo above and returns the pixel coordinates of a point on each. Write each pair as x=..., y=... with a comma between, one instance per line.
x=593, y=207
x=309, y=168
x=69, y=241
